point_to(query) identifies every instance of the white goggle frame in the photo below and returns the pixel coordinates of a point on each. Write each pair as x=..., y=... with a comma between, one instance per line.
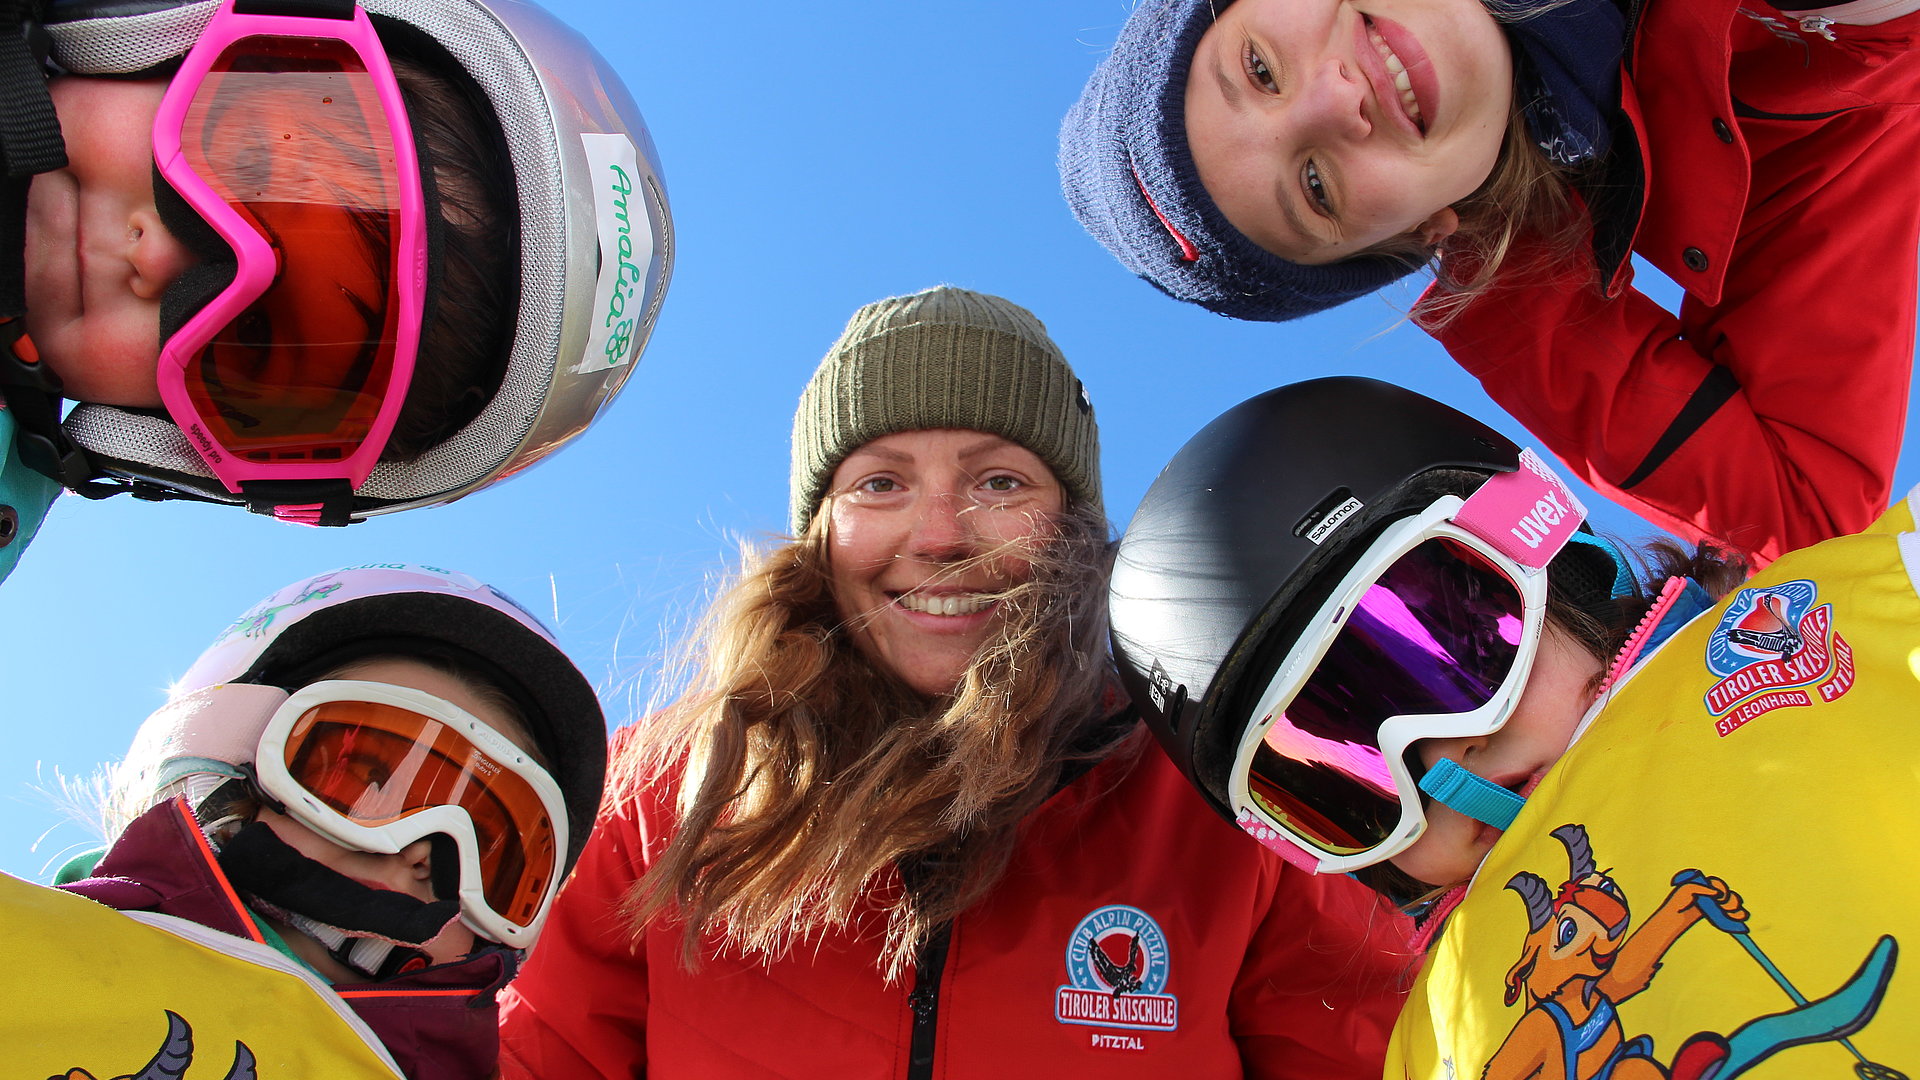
x=271, y=773
x=1396, y=733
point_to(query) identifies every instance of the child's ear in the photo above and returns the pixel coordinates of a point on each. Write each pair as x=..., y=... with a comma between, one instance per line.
x=1442, y=224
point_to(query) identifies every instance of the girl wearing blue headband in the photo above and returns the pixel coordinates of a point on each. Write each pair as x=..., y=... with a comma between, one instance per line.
x=1267, y=159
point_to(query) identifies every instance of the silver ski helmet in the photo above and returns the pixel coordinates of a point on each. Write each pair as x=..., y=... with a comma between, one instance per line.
x=595, y=234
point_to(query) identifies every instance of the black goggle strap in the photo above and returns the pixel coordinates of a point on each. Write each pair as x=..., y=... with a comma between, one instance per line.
x=1603, y=569
x=261, y=864
x=30, y=144
x=30, y=141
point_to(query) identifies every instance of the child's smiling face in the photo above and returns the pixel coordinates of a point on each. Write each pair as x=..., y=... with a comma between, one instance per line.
x=409, y=871
x=1559, y=690
x=1323, y=127
x=98, y=258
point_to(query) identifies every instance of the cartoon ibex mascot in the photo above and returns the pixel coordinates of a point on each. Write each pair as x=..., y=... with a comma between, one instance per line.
x=1578, y=962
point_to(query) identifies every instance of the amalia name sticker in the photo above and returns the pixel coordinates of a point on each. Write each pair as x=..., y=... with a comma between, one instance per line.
x=623, y=292
x=1117, y=969
x=1775, y=649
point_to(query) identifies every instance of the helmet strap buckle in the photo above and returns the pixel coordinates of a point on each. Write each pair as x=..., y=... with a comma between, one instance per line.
x=304, y=502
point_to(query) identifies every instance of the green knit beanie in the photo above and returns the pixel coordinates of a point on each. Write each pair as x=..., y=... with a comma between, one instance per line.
x=944, y=358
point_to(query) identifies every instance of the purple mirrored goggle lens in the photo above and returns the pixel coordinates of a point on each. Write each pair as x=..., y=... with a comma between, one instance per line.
x=1437, y=633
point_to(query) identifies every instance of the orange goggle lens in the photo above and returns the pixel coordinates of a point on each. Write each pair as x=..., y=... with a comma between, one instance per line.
x=290, y=133
x=376, y=764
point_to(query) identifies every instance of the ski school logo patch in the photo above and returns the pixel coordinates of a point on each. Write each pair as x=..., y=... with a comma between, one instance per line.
x=1774, y=649
x=1117, y=969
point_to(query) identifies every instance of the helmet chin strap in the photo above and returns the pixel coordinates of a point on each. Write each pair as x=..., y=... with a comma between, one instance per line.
x=373, y=931
x=1451, y=785
x=30, y=144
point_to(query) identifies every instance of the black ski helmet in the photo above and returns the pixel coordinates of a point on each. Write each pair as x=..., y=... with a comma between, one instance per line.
x=1249, y=528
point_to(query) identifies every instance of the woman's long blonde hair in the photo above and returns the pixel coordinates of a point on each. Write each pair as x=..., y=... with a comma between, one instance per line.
x=818, y=792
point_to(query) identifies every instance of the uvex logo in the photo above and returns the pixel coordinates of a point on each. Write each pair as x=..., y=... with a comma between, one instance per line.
x=1537, y=524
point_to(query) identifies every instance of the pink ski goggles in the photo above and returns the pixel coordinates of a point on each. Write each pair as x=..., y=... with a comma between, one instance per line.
x=288, y=135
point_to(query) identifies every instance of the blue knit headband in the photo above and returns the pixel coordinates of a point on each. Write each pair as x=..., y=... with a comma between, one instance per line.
x=1128, y=175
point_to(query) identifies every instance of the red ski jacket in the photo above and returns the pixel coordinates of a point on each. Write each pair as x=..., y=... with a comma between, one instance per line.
x=1135, y=934
x=1778, y=193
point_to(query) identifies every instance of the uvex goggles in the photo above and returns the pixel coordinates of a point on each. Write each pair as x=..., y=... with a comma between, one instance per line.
x=1430, y=635
x=287, y=134
x=375, y=767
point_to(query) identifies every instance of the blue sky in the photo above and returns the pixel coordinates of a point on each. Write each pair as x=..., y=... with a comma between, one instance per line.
x=818, y=156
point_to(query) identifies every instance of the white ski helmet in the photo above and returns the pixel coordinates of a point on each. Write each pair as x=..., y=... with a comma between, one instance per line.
x=319, y=624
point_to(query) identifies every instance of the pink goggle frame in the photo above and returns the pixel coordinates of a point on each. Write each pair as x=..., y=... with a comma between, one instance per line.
x=317, y=404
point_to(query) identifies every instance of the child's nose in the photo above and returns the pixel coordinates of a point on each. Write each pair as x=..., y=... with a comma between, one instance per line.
x=155, y=256
x=1334, y=100
x=418, y=856
x=1462, y=750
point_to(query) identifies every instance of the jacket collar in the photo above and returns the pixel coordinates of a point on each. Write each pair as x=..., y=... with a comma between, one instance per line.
x=439, y=1023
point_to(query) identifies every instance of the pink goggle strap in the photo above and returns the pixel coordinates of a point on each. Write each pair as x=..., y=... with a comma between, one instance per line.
x=1271, y=839
x=1527, y=514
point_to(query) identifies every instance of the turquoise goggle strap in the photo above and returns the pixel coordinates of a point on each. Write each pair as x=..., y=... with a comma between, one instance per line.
x=1451, y=785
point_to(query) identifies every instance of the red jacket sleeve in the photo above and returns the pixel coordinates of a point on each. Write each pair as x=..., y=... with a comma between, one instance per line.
x=1324, y=979
x=579, y=1006
x=1772, y=419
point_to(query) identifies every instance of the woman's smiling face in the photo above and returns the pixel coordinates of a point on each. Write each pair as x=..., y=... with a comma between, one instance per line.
x=928, y=529
x=1324, y=127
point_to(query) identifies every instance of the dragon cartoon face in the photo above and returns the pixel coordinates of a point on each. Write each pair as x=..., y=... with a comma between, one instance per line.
x=1572, y=933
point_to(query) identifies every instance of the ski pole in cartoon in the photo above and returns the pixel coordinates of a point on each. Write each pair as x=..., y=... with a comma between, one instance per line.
x=1578, y=963
x=1835, y=1017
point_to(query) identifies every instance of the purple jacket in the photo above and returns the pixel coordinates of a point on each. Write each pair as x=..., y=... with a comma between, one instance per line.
x=440, y=1023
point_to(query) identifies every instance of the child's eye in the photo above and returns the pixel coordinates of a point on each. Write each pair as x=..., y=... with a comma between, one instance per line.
x=1258, y=71
x=1316, y=187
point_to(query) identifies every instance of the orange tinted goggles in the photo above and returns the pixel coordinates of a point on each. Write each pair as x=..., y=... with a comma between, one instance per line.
x=376, y=765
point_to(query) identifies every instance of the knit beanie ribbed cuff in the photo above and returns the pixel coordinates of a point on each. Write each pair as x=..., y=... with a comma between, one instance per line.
x=943, y=358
